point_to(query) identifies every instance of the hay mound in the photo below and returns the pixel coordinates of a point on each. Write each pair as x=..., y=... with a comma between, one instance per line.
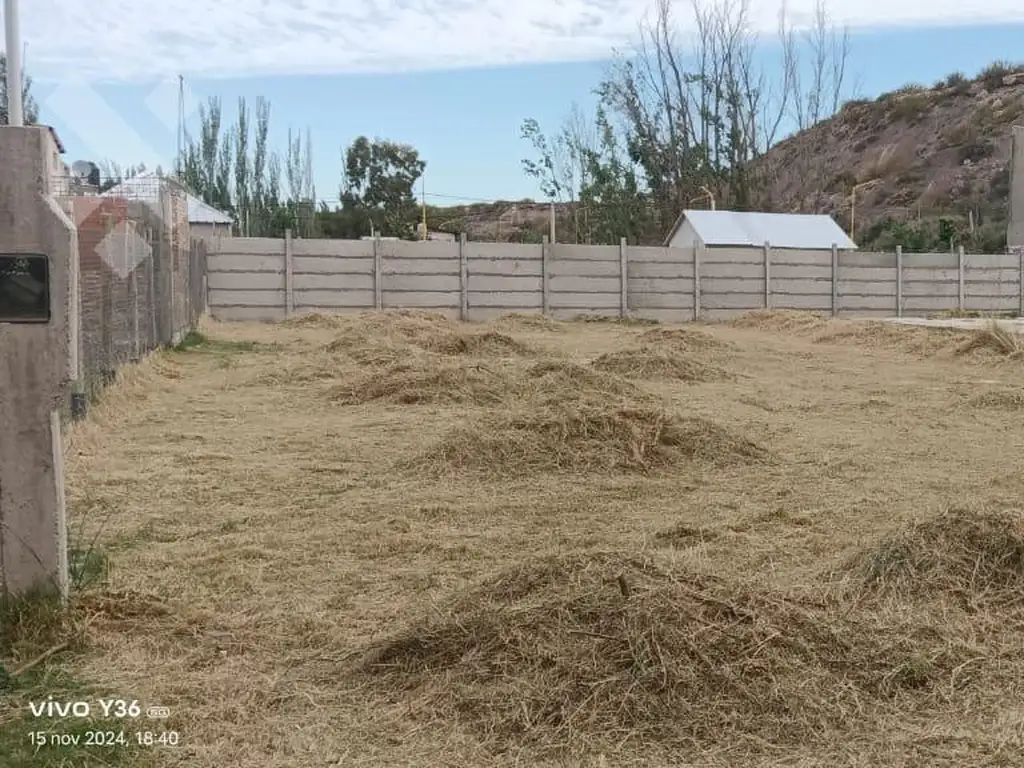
x=477, y=343
x=578, y=652
x=682, y=339
x=585, y=436
x=780, y=320
x=552, y=381
x=516, y=321
x=994, y=340
x=411, y=384
x=1000, y=399
x=912, y=339
x=645, y=363
x=975, y=556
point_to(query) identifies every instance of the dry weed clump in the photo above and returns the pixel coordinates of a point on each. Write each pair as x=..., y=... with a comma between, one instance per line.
x=792, y=320
x=411, y=384
x=552, y=381
x=585, y=436
x=647, y=363
x=977, y=557
x=586, y=652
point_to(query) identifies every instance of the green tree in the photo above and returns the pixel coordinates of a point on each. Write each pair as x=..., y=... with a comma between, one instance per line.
x=377, y=189
x=28, y=102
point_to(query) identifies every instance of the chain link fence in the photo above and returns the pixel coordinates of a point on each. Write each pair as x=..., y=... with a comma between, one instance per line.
x=141, y=277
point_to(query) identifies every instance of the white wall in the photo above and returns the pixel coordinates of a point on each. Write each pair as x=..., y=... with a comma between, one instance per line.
x=685, y=237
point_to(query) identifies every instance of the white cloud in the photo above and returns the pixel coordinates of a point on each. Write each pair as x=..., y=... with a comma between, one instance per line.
x=140, y=40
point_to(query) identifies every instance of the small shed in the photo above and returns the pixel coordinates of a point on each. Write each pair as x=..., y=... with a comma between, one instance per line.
x=723, y=229
x=204, y=220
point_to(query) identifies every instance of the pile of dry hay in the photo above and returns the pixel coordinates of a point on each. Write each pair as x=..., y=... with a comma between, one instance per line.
x=681, y=340
x=474, y=343
x=914, y=340
x=780, y=320
x=977, y=557
x=523, y=321
x=994, y=340
x=651, y=363
x=591, y=652
x=412, y=383
x=1002, y=399
x=584, y=436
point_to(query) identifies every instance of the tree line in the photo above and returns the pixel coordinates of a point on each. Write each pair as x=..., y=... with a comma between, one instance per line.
x=680, y=123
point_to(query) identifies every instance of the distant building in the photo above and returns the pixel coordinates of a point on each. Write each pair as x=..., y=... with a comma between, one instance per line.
x=203, y=220
x=723, y=229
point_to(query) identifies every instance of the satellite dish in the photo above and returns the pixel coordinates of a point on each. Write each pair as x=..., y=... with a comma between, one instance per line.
x=86, y=172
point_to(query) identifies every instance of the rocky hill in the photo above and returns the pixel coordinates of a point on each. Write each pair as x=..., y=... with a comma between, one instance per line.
x=919, y=167
x=910, y=166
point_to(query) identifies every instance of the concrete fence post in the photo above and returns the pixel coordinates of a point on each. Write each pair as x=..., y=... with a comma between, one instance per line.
x=378, y=276
x=623, y=278
x=835, y=280
x=289, y=275
x=545, y=258
x=960, y=304
x=1020, y=281
x=463, y=278
x=899, y=281
x=697, y=249
x=38, y=248
x=767, y=275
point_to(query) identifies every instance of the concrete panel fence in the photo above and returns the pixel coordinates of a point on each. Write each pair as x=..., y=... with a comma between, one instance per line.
x=261, y=279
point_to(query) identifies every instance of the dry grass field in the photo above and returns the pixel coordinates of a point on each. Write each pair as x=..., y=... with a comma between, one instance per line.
x=392, y=540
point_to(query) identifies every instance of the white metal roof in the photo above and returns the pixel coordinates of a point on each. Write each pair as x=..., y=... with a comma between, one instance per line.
x=781, y=230
x=145, y=187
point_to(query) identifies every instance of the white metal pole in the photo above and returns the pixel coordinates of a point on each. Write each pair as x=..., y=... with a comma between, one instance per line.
x=15, y=110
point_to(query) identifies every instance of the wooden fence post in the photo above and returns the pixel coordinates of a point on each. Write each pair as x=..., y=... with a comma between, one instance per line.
x=289, y=275
x=696, y=282
x=545, y=269
x=899, y=281
x=767, y=275
x=463, y=278
x=378, y=285
x=835, y=280
x=960, y=278
x=623, y=279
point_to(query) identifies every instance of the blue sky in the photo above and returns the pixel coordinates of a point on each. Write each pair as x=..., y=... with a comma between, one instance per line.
x=121, y=103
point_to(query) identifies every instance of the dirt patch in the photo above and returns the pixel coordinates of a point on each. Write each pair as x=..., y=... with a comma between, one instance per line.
x=577, y=652
x=780, y=320
x=412, y=384
x=586, y=436
x=975, y=556
x=645, y=363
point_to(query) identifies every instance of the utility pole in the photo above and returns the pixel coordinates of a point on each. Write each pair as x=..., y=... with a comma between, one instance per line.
x=423, y=194
x=15, y=108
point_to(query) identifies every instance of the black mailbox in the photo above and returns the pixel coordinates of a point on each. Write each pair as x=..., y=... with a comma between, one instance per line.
x=24, y=288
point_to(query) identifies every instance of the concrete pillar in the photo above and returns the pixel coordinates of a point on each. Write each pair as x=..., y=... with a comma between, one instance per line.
x=36, y=364
x=1015, y=227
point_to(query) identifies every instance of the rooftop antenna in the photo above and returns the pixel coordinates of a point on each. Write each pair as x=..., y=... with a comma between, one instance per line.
x=181, y=125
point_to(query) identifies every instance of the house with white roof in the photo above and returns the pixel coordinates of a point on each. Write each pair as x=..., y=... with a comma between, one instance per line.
x=732, y=229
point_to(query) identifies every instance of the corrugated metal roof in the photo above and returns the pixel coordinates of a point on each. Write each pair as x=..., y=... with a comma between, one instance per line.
x=142, y=188
x=781, y=230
